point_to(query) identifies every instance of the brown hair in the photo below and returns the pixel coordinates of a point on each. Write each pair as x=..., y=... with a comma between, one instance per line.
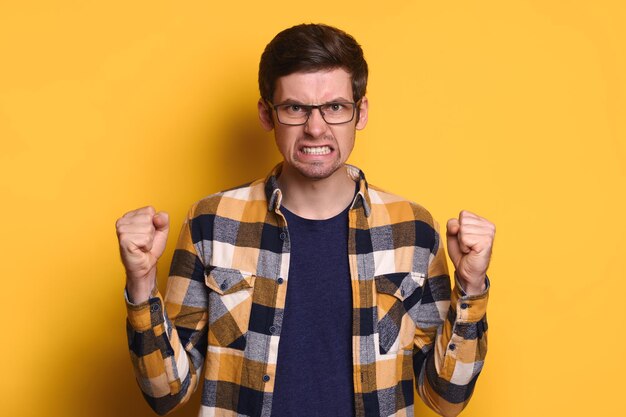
x=310, y=48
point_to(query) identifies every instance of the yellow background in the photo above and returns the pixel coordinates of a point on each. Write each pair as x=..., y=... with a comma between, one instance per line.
x=512, y=109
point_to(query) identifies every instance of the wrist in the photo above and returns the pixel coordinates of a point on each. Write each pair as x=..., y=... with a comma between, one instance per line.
x=475, y=290
x=472, y=287
x=139, y=290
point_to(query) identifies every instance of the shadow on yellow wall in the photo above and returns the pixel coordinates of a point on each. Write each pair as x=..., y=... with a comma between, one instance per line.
x=102, y=383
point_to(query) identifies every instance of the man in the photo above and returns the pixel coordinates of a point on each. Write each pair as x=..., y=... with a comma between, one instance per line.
x=309, y=293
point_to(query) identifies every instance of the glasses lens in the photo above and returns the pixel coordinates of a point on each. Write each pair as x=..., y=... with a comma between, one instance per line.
x=292, y=114
x=338, y=112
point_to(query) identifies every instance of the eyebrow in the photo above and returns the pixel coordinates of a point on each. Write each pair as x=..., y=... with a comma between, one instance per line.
x=294, y=101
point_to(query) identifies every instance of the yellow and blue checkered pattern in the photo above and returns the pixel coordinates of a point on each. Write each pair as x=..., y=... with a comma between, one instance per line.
x=225, y=300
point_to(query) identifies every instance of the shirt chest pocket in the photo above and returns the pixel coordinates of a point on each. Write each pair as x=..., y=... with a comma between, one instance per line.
x=230, y=303
x=398, y=297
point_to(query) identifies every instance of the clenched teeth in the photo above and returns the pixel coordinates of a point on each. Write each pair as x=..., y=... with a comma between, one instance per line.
x=318, y=150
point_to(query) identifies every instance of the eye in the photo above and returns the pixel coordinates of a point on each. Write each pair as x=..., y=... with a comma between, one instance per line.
x=294, y=108
x=336, y=107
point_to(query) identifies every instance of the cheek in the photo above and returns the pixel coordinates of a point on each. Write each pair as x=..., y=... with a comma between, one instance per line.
x=346, y=142
x=285, y=142
x=347, y=150
x=281, y=147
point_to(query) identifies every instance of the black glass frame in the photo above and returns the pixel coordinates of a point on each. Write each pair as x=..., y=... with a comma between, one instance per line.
x=309, y=108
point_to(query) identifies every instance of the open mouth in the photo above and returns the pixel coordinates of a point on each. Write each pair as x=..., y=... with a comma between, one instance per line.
x=316, y=150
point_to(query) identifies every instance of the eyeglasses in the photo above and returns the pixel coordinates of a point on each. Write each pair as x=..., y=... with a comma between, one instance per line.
x=333, y=113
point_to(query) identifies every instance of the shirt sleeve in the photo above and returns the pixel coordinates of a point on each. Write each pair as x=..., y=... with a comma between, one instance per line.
x=167, y=337
x=451, y=340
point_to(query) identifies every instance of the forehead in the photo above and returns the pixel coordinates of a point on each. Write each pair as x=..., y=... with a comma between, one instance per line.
x=314, y=87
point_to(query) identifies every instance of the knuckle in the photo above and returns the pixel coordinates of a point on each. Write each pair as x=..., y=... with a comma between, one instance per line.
x=142, y=219
x=125, y=242
x=129, y=214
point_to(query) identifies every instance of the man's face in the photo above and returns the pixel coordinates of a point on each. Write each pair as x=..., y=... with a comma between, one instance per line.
x=315, y=150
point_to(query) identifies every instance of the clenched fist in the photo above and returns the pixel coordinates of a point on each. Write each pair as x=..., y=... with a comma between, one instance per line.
x=142, y=235
x=470, y=239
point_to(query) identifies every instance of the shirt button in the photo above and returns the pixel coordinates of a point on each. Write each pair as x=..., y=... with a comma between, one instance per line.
x=283, y=235
x=154, y=308
x=452, y=346
x=266, y=378
x=464, y=306
x=223, y=286
x=273, y=329
x=402, y=293
x=280, y=280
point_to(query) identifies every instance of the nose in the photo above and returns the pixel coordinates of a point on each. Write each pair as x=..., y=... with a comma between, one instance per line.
x=315, y=126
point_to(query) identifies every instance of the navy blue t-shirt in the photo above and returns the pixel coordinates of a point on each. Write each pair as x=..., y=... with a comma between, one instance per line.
x=314, y=371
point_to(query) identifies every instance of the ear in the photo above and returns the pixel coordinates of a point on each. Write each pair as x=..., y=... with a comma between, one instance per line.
x=363, y=108
x=265, y=115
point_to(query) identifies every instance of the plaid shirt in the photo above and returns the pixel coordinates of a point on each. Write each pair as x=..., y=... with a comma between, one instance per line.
x=225, y=301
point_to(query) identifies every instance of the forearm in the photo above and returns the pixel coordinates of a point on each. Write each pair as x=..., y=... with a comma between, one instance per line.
x=166, y=371
x=449, y=367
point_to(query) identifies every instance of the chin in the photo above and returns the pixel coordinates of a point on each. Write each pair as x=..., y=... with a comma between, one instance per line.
x=318, y=172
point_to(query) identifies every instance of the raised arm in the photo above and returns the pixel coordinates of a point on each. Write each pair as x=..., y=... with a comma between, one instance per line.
x=167, y=340
x=450, y=349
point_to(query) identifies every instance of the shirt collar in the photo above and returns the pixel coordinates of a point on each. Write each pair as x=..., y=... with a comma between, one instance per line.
x=361, y=199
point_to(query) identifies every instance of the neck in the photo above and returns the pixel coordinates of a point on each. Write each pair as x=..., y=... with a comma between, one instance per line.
x=316, y=199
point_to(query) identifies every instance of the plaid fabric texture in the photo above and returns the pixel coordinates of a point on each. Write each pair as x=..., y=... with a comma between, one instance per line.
x=225, y=299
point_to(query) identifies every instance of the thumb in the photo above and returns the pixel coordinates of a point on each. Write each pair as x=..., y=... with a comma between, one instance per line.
x=161, y=222
x=454, y=250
